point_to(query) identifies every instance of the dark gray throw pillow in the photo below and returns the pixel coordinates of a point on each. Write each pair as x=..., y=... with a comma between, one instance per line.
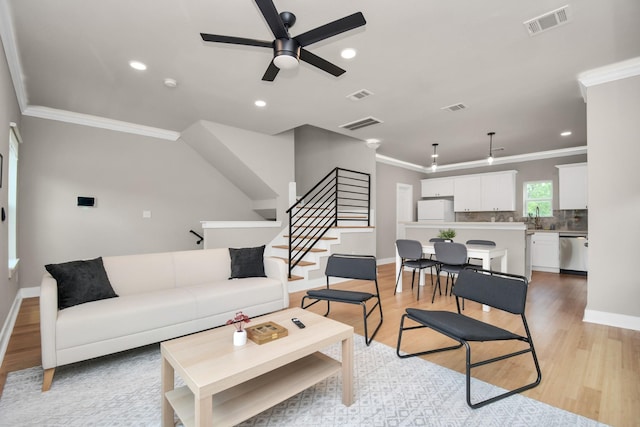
x=80, y=282
x=247, y=262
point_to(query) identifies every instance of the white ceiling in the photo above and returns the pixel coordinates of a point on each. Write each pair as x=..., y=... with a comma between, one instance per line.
x=416, y=56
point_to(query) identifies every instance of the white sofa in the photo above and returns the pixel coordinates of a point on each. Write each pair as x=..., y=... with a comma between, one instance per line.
x=160, y=296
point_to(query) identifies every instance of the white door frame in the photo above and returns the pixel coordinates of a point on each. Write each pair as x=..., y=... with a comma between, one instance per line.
x=404, y=206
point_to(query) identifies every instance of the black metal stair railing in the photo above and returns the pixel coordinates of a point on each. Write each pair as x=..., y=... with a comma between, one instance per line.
x=343, y=195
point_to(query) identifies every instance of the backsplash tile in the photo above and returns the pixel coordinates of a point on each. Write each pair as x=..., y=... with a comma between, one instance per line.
x=571, y=220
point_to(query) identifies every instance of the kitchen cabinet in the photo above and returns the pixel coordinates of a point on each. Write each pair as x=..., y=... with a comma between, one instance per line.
x=545, y=252
x=485, y=192
x=467, y=193
x=499, y=191
x=437, y=187
x=572, y=192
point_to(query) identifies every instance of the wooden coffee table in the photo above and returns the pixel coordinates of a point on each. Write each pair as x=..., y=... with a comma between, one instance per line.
x=226, y=385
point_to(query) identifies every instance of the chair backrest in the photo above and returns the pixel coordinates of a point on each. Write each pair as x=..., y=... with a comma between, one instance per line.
x=504, y=291
x=481, y=242
x=409, y=249
x=361, y=267
x=451, y=253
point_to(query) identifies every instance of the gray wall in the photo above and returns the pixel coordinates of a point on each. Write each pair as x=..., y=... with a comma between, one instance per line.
x=388, y=177
x=127, y=174
x=613, y=129
x=9, y=112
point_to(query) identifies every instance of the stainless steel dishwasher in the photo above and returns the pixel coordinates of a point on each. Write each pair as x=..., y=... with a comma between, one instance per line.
x=574, y=254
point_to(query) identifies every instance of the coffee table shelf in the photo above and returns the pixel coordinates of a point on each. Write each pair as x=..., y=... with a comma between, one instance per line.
x=258, y=394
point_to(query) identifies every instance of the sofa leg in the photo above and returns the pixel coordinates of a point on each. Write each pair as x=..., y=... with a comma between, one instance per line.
x=48, y=378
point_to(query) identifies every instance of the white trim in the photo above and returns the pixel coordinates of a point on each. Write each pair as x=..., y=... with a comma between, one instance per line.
x=31, y=292
x=612, y=319
x=7, y=34
x=241, y=224
x=99, y=122
x=608, y=73
x=563, y=152
x=518, y=226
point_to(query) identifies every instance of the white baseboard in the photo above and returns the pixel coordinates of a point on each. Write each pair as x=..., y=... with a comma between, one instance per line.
x=612, y=319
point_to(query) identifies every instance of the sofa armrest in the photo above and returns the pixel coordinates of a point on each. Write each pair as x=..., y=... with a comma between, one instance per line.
x=48, y=318
x=276, y=268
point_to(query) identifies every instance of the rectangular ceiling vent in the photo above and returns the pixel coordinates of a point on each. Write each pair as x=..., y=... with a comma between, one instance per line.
x=455, y=107
x=359, y=124
x=357, y=96
x=548, y=21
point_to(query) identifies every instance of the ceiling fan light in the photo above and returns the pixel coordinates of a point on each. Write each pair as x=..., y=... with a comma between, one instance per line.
x=285, y=62
x=490, y=159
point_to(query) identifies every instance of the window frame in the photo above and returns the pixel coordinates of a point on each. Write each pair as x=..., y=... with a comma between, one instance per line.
x=526, y=200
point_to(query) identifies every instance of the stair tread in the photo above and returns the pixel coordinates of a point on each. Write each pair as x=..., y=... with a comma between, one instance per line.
x=293, y=278
x=300, y=263
x=297, y=248
x=313, y=237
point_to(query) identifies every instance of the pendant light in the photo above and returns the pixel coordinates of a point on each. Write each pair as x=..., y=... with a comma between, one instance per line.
x=490, y=158
x=434, y=158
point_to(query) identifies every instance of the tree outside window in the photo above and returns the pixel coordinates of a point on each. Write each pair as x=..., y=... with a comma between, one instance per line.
x=538, y=194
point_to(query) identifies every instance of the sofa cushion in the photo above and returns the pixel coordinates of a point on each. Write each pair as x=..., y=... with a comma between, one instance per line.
x=200, y=266
x=80, y=282
x=235, y=295
x=140, y=273
x=247, y=262
x=119, y=317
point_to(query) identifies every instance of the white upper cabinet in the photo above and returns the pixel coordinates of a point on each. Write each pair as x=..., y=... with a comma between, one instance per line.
x=499, y=191
x=437, y=187
x=467, y=196
x=573, y=186
x=485, y=192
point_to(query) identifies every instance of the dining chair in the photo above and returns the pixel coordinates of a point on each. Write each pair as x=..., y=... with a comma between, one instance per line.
x=410, y=253
x=474, y=261
x=451, y=258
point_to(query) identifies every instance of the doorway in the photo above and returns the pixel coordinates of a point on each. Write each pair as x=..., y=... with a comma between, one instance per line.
x=404, y=206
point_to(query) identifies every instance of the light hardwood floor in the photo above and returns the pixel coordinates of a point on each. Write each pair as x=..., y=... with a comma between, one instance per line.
x=589, y=369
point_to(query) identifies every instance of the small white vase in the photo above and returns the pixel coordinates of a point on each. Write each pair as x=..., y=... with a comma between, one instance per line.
x=240, y=337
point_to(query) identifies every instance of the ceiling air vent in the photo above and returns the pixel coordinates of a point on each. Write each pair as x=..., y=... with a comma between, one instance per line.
x=455, y=107
x=548, y=21
x=357, y=96
x=359, y=124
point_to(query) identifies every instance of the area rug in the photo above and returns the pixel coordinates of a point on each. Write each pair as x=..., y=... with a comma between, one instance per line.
x=124, y=390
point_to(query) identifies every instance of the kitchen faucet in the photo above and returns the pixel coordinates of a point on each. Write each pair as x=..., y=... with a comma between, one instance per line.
x=537, y=219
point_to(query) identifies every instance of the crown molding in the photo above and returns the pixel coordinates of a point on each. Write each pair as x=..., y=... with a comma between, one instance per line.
x=11, y=52
x=99, y=122
x=608, y=73
x=563, y=152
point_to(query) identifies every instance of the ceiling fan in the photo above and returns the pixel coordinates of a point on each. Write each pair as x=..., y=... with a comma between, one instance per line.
x=287, y=50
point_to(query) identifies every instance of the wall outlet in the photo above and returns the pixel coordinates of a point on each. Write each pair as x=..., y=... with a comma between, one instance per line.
x=146, y=214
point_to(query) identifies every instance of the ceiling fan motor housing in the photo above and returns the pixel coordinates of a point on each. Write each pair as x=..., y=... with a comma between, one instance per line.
x=286, y=47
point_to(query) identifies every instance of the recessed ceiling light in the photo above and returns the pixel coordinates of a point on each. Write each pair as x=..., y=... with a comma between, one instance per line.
x=260, y=103
x=566, y=133
x=348, y=53
x=168, y=82
x=137, y=65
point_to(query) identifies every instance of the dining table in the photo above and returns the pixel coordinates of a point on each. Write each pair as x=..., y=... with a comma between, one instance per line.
x=483, y=252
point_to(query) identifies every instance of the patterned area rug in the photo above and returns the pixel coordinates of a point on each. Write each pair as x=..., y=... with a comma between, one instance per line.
x=124, y=390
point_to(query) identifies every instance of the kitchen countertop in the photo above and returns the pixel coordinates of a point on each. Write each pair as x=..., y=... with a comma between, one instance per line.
x=563, y=232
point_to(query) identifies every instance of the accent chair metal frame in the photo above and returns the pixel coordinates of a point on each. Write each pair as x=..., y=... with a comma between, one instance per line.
x=502, y=291
x=359, y=267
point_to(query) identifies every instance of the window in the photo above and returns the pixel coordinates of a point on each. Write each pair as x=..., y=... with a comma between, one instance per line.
x=13, y=198
x=538, y=198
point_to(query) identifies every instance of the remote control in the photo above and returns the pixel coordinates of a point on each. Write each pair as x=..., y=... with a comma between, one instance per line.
x=298, y=323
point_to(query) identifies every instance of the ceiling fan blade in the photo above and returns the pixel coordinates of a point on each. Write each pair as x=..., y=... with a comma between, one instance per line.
x=235, y=40
x=271, y=73
x=272, y=17
x=323, y=64
x=331, y=29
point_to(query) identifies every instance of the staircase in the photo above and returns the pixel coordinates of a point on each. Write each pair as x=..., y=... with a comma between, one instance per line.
x=339, y=203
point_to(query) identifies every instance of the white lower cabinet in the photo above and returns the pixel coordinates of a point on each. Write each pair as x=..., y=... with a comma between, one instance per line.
x=545, y=252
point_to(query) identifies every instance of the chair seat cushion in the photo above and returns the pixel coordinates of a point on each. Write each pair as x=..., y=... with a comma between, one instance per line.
x=340, y=295
x=460, y=326
x=420, y=263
